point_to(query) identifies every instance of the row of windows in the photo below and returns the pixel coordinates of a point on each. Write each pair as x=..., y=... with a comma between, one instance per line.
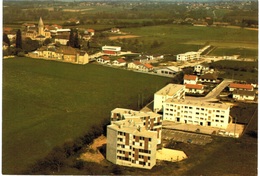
x=190, y=107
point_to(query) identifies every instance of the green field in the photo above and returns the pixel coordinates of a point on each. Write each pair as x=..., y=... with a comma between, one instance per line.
x=46, y=103
x=177, y=39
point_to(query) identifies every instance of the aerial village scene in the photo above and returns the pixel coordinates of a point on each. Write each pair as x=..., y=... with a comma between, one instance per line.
x=130, y=87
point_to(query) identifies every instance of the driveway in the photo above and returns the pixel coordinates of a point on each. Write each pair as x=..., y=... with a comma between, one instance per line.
x=212, y=95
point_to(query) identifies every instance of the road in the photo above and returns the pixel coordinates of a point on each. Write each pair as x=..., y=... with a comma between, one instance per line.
x=212, y=96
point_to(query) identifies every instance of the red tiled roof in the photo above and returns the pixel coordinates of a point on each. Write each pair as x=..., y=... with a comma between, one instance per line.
x=91, y=30
x=121, y=60
x=137, y=63
x=148, y=65
x=105, y=58
x=241, y=86
x=190, y=77
x=194, y=86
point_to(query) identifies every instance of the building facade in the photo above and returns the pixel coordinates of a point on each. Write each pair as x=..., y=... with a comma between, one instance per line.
x=189, y=56
x=111, y=50
x=133, y=138
x=176, y=91
x=196, y=113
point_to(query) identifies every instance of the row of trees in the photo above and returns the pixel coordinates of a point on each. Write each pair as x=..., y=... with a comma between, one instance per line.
x=65, y=156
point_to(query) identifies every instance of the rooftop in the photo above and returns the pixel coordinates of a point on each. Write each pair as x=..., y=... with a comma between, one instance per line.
x=131, y=114
x=194, y=86
x=198, y=103
x=190, y=77
x=132, y=128
x=170, y=89
x=241, y=86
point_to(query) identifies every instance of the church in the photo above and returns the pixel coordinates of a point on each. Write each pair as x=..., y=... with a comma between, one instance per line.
x=39, y=33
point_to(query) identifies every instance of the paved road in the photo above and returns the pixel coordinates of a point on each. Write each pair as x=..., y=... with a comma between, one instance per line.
x=212, y=96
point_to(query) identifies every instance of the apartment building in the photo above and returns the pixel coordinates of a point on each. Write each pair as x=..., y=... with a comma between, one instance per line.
x=196, y=113
x=150, y=120
x=133, y=137
x=188, y=56
x=176, y=91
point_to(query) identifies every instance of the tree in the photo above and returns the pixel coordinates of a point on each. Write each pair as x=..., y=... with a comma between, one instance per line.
x=71, y=39
x=76, y=40
x=18, y=39
x=6, y=39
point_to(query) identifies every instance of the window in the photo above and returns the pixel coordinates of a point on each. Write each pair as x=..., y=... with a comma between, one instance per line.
x=197, y=113
x=222, y=116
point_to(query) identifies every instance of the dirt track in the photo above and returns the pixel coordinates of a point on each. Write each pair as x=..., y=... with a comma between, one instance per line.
x=123, y=37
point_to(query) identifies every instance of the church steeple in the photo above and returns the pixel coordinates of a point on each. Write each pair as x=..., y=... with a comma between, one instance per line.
x=40, y=27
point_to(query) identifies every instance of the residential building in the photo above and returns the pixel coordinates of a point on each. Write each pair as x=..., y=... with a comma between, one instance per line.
x=209, y=78
x=62, y=53
x=196, y=113
x=133, y=137
x=119, y=62
x=134, y=65
x=103, y=60
x=189, y=56
x=167, y=71
x=237, y=86
x=200, y=69
x=243, y=95
x=172, y=91
x=62, y=39
x=190, y=79
x=194, y=88
x=111, y=50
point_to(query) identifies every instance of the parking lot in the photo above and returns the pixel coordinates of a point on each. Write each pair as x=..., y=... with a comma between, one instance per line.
x=186, y=137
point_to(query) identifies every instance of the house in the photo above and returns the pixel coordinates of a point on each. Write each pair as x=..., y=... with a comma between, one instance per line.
x=111, y=50
x=135, y=65
x=196, y=113
x=61, y=39
x=194, y=88
x=119, y=62
x=73, y=20
x=91, y=32
x=115, y=30
x=243, y=95
x=5, y=46
x=189, y=56
x=190, y=79
x=133, y=137
x=237, y=86
x=202, y=68
x=173, y=91
x=167, y=71
x=103, y=60
x=148, y=67
x=209, y=78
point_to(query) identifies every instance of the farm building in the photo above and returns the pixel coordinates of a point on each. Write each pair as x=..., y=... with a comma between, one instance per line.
x=167, y=71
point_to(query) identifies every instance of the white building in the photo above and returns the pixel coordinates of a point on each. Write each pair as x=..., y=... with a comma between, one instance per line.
x=132, y=138
x=167, y=71
x=190, y=79
x=188, y=56
x=176, y=91
x=196, y=113
x=243, y=95
x=111, y=50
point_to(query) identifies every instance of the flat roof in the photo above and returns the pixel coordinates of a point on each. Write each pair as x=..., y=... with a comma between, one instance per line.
x=197, y=103
x=128, y=113
x=170, y=89
x=132, y=128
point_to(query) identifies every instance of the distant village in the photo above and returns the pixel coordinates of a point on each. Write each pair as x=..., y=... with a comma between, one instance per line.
x=134, y=138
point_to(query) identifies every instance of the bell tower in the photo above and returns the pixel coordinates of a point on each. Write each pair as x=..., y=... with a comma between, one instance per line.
x=40, y=27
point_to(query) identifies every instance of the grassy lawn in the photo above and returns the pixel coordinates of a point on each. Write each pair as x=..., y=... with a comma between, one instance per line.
x=243, y=52
x=46, y=103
